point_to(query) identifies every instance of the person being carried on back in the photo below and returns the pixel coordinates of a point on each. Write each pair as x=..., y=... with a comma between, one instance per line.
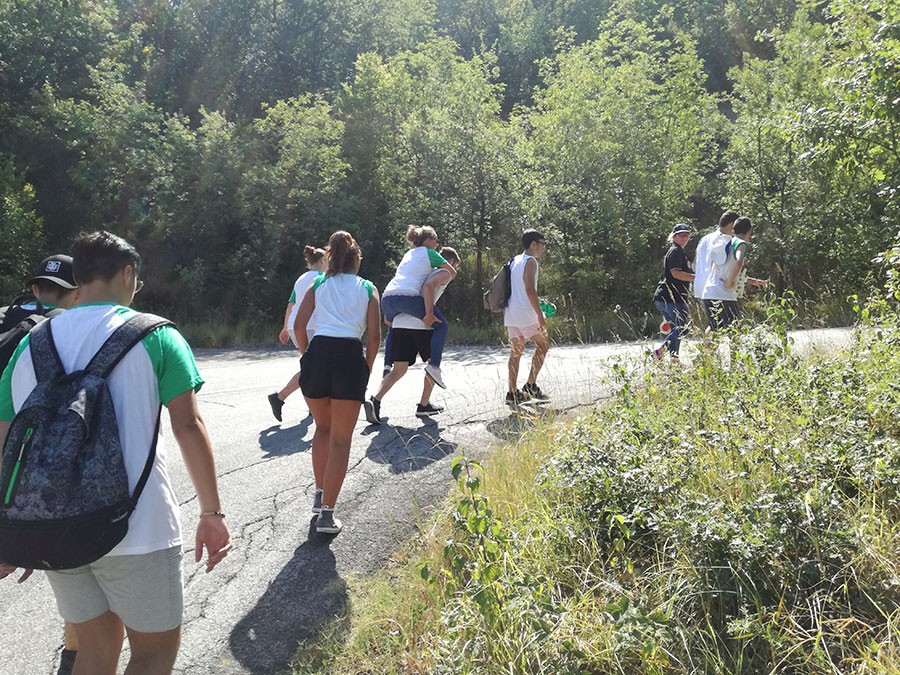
x=410, y=337
x=403, y=294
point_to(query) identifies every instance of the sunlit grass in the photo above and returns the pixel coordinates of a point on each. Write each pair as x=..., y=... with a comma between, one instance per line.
x=740, y=516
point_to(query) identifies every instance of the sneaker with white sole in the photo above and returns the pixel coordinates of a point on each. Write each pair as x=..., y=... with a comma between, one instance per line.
x=317, y=501
x=386, y=371
x=434, y=372
x=428, y=410
x=326, y=523
x=372, y=408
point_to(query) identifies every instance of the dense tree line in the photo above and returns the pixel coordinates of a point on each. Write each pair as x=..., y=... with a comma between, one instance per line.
x=223, y=135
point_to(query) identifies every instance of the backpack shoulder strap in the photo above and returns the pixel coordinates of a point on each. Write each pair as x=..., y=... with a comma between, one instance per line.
x=44, y=357
x=122, y=340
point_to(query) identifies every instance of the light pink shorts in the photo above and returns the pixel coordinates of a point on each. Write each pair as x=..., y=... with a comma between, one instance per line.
x=524, y=332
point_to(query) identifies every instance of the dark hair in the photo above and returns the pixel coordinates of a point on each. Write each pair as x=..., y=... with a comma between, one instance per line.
x=344, y=254
x=313, y=255
x=102, y=255
x=742, y=225
x=417, y=235
x=448, y=253
x=530, y=236
x=727, y=218
x=48, y=291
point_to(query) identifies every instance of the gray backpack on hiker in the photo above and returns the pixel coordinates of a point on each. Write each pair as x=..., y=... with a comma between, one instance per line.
x=64, y=497
x=496, y=297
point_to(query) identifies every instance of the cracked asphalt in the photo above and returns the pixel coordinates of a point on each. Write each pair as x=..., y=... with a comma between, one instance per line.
x=283, y=583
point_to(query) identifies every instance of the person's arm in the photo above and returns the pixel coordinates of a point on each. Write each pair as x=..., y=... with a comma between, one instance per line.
x=196, y=450
x=450, y=268
x=434, y=282
x=307, y=306
x=285, y=335
x=531, y=290
x=682, y=276
x=739, y=258
x=373, y=328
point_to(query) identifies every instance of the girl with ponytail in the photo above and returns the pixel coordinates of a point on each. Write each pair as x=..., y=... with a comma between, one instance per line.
x=337, y=310
x=315, y=263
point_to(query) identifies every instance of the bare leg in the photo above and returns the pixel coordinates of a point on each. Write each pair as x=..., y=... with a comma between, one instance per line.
x=517, y=347
x=541, y=346
x=100, y=643
x=344, y=415
x=152, y=653
x=399, y=370
x=292, y=386
x=427, y=388
x=320, y=408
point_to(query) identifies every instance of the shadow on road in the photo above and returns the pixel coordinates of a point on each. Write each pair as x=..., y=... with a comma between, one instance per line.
x=407, y=449
x=522, y=419
x=276, y=441
x=304, y=600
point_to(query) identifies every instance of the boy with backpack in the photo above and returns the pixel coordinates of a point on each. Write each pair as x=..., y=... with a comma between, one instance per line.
x=54, y=288
x=53, y=284
x=116, y=568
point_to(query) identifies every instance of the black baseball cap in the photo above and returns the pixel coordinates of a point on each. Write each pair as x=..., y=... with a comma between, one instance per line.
x=681, y=227
x=57, y=268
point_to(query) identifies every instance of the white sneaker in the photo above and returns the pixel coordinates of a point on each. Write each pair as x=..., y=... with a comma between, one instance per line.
x=434, y=372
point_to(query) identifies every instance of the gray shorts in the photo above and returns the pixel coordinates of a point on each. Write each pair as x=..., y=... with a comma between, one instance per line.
x=144, y=591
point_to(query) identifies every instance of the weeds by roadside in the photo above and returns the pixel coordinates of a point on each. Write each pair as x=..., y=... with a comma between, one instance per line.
x=740, y=516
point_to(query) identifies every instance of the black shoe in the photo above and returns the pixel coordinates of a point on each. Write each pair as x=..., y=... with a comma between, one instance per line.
x=534, y=392
x=386, y=371
x=277, y=404
x=326, y=523
x=516, y=397
x=66, y=662
x=373, y=410
x=427, y=410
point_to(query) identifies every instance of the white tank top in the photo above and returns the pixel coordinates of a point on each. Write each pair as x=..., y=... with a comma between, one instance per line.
x=519, y=312
x=342, y=304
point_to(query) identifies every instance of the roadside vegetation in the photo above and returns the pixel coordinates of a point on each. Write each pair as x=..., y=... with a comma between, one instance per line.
x=741, y=515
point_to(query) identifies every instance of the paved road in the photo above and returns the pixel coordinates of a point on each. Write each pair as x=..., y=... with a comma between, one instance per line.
x=283, y=582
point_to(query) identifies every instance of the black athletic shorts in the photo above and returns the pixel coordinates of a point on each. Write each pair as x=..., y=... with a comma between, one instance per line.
x=334, y=368
x=721, y=313
x=410, y=343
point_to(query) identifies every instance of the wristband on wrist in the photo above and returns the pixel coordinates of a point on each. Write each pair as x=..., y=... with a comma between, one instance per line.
x=212, y=513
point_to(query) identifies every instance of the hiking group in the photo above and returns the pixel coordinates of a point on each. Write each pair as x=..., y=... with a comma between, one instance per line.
x=719, y=278
x=85, y=493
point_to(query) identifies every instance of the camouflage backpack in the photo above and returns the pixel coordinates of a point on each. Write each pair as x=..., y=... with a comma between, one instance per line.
x=64, y=497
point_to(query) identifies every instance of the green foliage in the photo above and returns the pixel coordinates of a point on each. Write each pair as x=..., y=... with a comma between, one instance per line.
x=622, y=136
x=737, y=517
x=224, y=136
x=21, y=238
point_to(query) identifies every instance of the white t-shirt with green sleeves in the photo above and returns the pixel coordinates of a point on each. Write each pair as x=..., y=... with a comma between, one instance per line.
x=342, y=306
x=158, y=371
x=304, y=281
x=414, y=268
